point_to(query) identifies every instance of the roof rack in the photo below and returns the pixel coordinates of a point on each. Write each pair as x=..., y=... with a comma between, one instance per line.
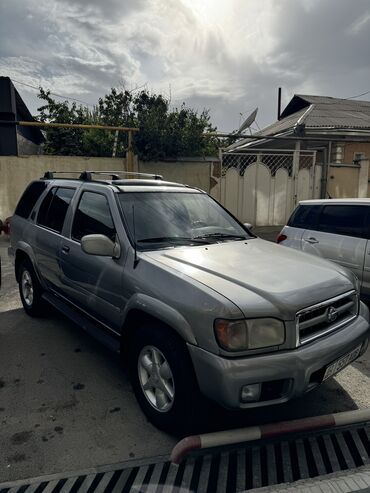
x=88, y=175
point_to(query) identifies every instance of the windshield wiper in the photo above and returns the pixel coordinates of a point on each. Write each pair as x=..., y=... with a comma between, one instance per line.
x=174, y=239
x=222, y=236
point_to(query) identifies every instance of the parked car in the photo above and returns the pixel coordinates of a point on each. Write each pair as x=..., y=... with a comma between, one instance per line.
x=190, y=297
x=335, y=229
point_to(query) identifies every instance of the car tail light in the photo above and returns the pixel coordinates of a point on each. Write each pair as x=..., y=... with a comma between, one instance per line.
x=281, y=238
x=6, y=227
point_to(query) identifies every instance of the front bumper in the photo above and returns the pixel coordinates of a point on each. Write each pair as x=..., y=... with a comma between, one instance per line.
x=301, y=369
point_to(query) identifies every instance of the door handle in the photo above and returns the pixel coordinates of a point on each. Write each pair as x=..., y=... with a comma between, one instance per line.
x=65, y=249
x=311, y=240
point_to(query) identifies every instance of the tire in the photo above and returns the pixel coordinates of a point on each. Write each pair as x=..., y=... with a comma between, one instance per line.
x=30, y=290
x=158, y=343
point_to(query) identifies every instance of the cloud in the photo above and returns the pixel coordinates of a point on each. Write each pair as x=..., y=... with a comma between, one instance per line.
x=105, y=9
x=361, y=23
x=227, y=56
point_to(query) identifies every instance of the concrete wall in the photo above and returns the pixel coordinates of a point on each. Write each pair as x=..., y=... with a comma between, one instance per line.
x=351, y=148
x=17, y=171
x=348, y=180
x=345, y=179
x=194, y=173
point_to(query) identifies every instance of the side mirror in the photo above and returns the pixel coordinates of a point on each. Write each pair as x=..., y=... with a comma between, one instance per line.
x=100, y=245
x=248, y=226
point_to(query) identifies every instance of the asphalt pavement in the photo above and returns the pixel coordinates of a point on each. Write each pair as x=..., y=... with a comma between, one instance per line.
x=66, y=402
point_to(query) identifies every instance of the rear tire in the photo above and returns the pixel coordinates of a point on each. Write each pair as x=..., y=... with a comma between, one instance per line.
x=30, y=290
x=163, y=379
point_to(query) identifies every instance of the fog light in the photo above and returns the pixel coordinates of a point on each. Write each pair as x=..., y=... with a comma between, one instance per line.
x=250, y=393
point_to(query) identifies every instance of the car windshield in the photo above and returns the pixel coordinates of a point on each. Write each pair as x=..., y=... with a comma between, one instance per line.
x=165, y=219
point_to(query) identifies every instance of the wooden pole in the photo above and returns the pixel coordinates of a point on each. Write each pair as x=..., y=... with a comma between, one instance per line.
x=130, y=155
x=114, y=152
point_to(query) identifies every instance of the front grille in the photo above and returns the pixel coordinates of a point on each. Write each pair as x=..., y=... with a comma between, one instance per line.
x=325, y=317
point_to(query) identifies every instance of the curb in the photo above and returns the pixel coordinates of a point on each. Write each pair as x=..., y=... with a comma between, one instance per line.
x=272, y=430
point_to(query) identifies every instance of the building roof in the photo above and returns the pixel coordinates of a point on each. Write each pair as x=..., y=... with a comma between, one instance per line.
x=330, y=112
x=12, y=103
x=318, y=113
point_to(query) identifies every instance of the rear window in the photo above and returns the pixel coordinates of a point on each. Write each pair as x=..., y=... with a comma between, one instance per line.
x=348, y=220
x=305, y=217
x=29, y=198
x=54, y=208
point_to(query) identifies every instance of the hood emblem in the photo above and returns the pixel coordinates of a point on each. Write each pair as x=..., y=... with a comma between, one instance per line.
x=332, y=314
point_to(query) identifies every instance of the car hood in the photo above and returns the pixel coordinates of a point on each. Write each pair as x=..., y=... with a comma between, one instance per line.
x=256, y=273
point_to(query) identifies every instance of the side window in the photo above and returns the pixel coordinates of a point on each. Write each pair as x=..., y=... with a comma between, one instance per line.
x=349, y=220
x=44, y=207
x=93, y=216
x=29, y=198
x=53, y=208
x=305, y=217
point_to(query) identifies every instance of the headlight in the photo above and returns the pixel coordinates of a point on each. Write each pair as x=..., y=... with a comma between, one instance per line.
x=241, y=335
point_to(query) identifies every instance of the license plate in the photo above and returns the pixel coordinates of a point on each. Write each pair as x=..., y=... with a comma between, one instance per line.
x=341, y=363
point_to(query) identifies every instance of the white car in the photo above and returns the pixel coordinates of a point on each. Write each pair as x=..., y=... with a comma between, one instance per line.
x=335, y=229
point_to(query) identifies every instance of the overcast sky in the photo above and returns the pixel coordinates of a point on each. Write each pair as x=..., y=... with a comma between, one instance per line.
x=226, y=55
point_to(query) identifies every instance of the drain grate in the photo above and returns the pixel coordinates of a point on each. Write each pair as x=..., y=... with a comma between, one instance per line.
x=225, y=470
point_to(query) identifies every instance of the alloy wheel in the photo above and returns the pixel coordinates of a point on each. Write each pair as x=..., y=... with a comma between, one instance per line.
x=156, y=379
x=27, y=288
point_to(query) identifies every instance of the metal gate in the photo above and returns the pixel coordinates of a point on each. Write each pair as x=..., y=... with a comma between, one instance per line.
x=263, y=187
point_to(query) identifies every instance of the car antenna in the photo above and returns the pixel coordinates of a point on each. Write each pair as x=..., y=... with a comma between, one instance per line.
x=136, y=260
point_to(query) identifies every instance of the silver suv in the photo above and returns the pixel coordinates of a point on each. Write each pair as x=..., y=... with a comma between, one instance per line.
x=194, y=302
x=335, y=229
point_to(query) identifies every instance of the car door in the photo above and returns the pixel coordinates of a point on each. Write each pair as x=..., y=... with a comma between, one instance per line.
x=49, y=225
x=305, y=216
x=340, y=236
x=366, y=271
x=92, y=282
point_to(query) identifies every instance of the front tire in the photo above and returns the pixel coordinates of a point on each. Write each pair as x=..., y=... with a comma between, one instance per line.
x=163, y=379
x=30, y=290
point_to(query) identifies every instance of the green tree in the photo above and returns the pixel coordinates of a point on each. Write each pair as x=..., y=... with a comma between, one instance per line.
x=62, y=141
x=165, y=133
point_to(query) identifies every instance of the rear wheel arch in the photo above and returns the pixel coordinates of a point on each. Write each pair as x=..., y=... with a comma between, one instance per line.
x=20, y=257
x=25, y=253
x=30, y=289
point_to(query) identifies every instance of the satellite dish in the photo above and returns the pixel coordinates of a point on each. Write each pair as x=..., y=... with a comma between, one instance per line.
x=248, y=121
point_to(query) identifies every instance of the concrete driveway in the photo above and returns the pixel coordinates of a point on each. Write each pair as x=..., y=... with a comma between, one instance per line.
x=66, y=403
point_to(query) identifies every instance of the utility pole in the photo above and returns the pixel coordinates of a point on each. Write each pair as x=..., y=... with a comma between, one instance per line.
x=279, y=104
